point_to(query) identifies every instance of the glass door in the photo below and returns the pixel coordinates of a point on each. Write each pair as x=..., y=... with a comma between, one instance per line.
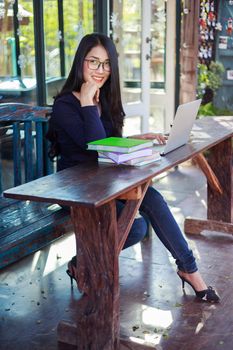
x=128, y=31
x=145, y=40
x=162, y=64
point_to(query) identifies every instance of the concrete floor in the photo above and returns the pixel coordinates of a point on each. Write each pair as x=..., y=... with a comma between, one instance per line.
x=35, y=293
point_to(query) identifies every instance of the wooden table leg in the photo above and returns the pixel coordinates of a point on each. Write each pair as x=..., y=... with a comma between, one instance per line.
x=97, y=322
x=99, y=239
x=219, y=206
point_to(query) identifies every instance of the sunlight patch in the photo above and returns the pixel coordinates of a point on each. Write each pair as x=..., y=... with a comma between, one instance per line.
x=60, y=252
x=156, y=317
x=138, y=252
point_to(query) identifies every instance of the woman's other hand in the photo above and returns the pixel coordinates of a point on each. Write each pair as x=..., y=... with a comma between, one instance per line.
x=151, y=136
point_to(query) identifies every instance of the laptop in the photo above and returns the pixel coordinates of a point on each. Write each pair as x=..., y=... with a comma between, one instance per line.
x=181, y=128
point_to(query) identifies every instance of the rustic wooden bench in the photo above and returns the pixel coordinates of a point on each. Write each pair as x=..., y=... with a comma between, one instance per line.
x=25, y=227
x=100, y=234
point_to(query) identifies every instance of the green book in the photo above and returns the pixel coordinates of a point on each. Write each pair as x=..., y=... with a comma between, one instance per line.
x=119, y=144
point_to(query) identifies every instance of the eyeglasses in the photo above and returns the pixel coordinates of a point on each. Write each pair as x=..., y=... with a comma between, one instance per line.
x=95, y=64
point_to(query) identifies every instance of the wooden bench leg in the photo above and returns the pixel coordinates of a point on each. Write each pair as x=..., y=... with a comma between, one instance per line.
x=99, y=238
x=211, y=178
x=196, y=226
x=219, y=203
x=97, y=313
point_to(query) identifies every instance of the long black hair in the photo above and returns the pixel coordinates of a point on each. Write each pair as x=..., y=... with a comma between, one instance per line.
x=110, y=94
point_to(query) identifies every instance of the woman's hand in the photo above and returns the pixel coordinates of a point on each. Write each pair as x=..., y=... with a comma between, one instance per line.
x=89, y=94
x=151, y=136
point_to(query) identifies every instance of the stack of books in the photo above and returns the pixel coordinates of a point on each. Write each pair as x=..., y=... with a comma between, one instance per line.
x=126, y=151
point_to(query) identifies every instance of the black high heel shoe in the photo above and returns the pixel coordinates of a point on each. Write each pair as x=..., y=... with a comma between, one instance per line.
x=71, y=270
x=208, y=294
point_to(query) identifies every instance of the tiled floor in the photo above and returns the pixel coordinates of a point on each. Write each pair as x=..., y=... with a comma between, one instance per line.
x=35, y=293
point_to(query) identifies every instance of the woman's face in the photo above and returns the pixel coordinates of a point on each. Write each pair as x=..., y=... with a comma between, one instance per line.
x=93, y=70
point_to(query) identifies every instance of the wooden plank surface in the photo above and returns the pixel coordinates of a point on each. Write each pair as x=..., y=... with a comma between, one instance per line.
x=94, y=185
x=22, y=112
x=196, y=226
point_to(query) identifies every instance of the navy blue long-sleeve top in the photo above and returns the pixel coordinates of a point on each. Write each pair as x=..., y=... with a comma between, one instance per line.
x=75, y=126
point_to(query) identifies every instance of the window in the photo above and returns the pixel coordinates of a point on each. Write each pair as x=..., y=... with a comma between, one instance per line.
x=64, y=23
x=17, y=54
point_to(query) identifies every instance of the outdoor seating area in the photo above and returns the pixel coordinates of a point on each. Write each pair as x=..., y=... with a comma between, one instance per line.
x=116, y=175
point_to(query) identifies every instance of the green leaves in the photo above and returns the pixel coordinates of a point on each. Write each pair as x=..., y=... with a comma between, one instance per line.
x=209, y=77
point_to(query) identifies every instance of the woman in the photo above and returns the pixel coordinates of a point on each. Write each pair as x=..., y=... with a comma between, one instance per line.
x=88, y=108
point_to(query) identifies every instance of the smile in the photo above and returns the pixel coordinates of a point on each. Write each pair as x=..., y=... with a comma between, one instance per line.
x=98, y=79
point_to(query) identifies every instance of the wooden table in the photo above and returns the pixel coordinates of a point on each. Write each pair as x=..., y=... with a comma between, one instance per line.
x=91, y=192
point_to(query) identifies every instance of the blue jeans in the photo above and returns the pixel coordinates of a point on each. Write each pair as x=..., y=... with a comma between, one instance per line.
x=138, y=230
x=155, y=209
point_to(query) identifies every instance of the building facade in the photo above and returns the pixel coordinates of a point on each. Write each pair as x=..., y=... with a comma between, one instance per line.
x=157, y=42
